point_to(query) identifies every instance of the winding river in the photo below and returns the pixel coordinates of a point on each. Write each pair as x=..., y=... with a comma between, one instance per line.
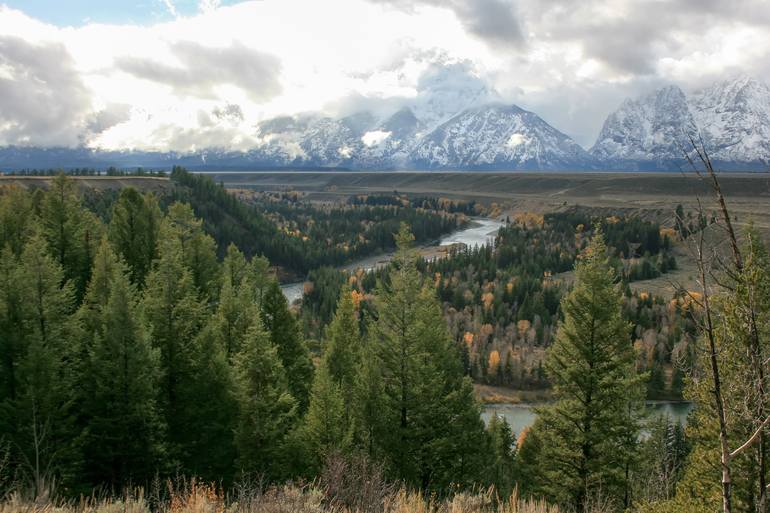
x=481, y=231
x=478, y=232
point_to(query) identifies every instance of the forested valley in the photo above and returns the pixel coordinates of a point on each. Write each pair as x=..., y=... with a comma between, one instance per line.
x=150, y=361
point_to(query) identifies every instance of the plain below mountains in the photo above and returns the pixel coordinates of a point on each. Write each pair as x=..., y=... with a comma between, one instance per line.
x=646, y=133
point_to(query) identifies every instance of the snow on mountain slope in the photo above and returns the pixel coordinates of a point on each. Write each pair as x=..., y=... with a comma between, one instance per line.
x=733, y=118
x=652, y=127
x=498, y=137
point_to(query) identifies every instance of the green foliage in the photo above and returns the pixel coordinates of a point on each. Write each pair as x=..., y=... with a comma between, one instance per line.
x=183, y=233
x=16, y=215
x=37, y=312
x=72, y=232
x=589, y=434
x=266, y=409
x=429, y=426
x=123, y=440
x=285, y=335
x=133, y=231
x=327, y=429
x=732, y=310
x=175, y=315
x=502, y=456
x=300, y=236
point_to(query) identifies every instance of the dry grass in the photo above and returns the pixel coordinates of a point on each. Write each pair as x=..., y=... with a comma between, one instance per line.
x=290, y=498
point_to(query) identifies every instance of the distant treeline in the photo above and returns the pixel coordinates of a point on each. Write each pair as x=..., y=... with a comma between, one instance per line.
x=87, y=171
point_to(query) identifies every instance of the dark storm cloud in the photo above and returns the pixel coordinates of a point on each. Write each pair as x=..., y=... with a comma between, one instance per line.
x=203, y=68
x=493, y=21
x=42, y=99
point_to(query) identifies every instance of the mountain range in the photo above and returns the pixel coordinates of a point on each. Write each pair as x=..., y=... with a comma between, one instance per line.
x=474, y=130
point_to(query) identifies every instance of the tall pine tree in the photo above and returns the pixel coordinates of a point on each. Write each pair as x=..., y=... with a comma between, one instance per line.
x=267, y=411
x=429, y=428
x=123, y=439
x=589, y=433
x=286, y=336
x=133, y=231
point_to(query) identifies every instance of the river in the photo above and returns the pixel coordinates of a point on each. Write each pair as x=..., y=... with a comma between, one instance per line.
x=479, y=231
x=521, y=416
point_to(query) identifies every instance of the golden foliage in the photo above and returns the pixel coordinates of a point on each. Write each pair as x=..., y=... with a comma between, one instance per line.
x=667, y=232
x=523, y=326
x=307, y=287
x=487, y=298
x=357, y=298
x=468, y=339
x=494, y=361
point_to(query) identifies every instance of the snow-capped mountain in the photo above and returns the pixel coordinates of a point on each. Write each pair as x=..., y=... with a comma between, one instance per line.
x=493, y=136
x=652, y=127
x=733, y=118
x=498, y=137
x=649, y=132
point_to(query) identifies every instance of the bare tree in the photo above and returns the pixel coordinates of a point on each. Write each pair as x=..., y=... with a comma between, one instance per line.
x=756, y=361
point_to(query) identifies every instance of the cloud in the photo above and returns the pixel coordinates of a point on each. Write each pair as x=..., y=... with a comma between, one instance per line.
x=42, y=98
x=170, y=7
x=230, y=111
x=217, y=70
x=204, y=68
x=206, y=6
x=493, y=21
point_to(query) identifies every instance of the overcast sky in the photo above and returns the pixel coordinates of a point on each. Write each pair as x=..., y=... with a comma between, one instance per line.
x=183, y=75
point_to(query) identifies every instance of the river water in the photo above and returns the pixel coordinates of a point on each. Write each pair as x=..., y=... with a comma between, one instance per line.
x=480, y=231
x=521, y=416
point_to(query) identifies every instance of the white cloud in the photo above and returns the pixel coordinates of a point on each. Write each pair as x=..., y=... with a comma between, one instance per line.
x=516, y=140
x=170, y=7
x=120, y=86
x=206, y=6
x=374, y=138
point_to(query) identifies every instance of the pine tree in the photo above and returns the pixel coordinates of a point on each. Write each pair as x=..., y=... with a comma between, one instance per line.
x=175, y=315
x=236, y=310
x=327, y=429
x=285, y=335
x=502, y=456
x=39, y=417
x=133, y=231
x=197, y=249
x=342, y=351
x=209, y=446
x=16, y=213
x=430, y=427
x=266, y=409
x=589, y=433
x=330, y=420
x=123, y=439
x=71, y=231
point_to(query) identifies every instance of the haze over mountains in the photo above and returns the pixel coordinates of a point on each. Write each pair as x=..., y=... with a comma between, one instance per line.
x=471, y=129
